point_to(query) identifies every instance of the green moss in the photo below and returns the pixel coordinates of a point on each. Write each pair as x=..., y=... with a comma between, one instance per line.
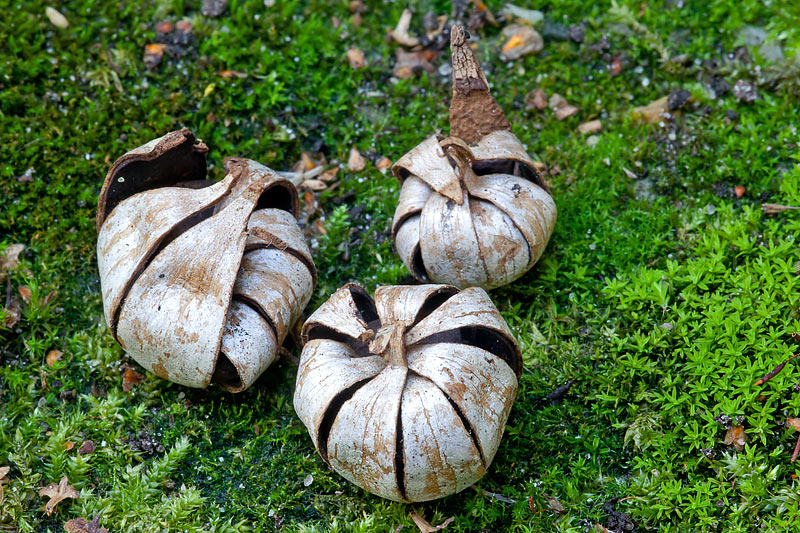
x=662, y=299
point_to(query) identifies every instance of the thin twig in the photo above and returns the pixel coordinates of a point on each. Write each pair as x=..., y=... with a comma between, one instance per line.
x=775, y=371
x=796, y=449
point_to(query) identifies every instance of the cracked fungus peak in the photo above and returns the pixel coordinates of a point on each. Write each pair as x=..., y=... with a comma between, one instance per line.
x=201, y=281
x=407, y=395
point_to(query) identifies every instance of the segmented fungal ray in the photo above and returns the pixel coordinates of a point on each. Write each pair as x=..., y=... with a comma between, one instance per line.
x=473, y=210
x=200, y=281
x=407, y=396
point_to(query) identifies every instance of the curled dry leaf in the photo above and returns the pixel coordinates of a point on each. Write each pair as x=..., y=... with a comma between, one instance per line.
x=653, y=112
x=383, y=163
x=52, y=356
x=736, y=437
x=355, y=162
x=56, y=18
x=26, y=293
x=739, y=191
x=400, y=32
x=793, y=423
x=80, y=525
x=313, y=185
x=521, y=40
x=356, y=58
x=473, y=210
x=407, y=395
x=630, y=174
x=774, y=209
x=201, y=281
x=57, y=492
x=425, y=527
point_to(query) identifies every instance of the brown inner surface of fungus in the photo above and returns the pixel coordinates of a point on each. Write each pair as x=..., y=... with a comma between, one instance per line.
x=487, y=339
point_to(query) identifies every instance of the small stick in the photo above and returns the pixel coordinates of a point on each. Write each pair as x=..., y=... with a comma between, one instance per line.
x=796, y=449
x=775, y=371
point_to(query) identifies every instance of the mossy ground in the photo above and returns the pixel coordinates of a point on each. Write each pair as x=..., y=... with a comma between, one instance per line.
x=663, y=299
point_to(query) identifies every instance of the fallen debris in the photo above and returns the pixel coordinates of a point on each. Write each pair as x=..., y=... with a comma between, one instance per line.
x=653, y=112
x=356, y=58
x=355, y=163
x=562, y=109
x=56, y=18
x=745, y=92
x=425, y=527
x=522, y=40
x=400, y=32
x=536, y=99
x=411, y=63
x=774, y=209
x=593, y=126
x=57, y=492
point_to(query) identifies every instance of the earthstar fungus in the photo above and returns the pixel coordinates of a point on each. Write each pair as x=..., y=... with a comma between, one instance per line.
x=407, y=395
x=473, y=210
x=201, y=281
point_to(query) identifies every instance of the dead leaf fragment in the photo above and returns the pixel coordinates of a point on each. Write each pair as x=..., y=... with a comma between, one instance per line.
x=383, y=163
x=355, y=163
x=793, y=423
x=554, y=504
x=9, y=260
x=774, y=209
x=356, y=58
x=27, y=176
x=536, y=100
x=739, y=191
x=630, y=174
x=736, y=437
x=232, y=74
x=57, y=492
x=26, y=293
x=80, y=525
x=400, y=32
x=69, y=445
x=593, y=126
x=86, y=448
x=329, y=175
x=52, y=356
x=425, y=527
x=4, y=470
x=56, y=18
x=12, y=311
x=521, y=40
x=131, y=378
x=653, y=112
x=561, y=107
x=153, y=53
x=313, y=185
x=410, y=63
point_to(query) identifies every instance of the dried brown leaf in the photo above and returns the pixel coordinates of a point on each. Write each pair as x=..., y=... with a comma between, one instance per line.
x=26, y=293
x=774, y=209
x=356, y=58
x=86, y=448
x=355, y=163
x=425, y=527
x=57, y=492
x=554, y=504
x=383, y=163
x=4, y=470
x=329, y=175
x=80, y=525
x=130, y=378
x=536, y=100
x=736, y=437
x=793, y=423
x=53, y=356
x=26, y=177
x=522, y=40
